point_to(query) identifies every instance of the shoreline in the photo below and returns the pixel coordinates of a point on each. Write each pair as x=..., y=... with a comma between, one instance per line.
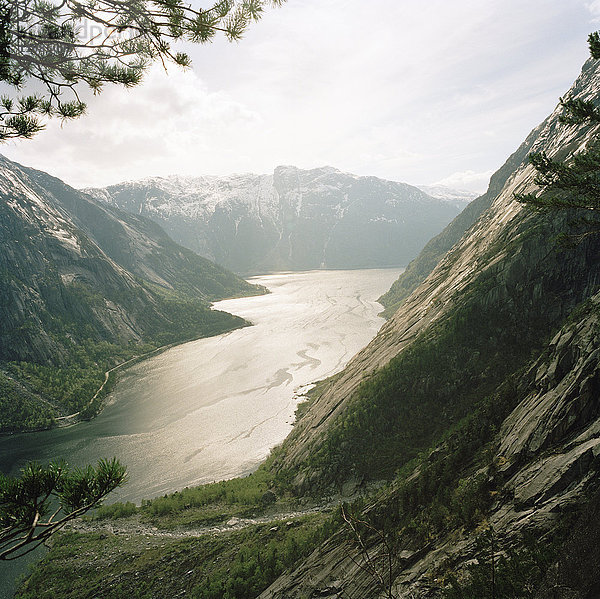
x=110, y=376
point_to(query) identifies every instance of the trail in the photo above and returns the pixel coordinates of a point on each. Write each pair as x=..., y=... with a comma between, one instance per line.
x=132, y=526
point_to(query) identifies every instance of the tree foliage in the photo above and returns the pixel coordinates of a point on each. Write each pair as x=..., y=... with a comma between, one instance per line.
x=43, y=499
x=57, y=46
x=594, y=44
x=574, y=184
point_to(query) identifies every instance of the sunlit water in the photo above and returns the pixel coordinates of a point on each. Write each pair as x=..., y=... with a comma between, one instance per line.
x=213, y=408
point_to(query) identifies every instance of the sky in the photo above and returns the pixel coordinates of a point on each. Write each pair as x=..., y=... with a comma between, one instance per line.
x=432, y=92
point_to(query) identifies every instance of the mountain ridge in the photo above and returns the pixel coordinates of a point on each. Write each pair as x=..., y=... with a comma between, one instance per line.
x=84, y=283
x=293, y=219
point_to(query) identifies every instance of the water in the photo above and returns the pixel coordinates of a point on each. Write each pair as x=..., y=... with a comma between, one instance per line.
x=212, y=409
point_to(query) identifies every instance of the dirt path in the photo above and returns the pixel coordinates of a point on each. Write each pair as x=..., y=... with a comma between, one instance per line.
x=133, y=526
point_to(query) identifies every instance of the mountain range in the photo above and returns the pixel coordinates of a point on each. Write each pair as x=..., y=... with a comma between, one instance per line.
x=291, y=220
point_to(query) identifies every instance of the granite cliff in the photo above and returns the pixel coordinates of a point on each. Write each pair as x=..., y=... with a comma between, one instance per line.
x=495, y=352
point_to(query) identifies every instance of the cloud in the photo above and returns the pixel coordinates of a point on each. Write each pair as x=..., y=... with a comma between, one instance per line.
x=407, y=91
x=468, y=180
x=169, y=124
x=594, y=8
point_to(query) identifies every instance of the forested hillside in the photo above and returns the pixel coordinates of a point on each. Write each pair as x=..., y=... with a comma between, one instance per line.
x=83, y=287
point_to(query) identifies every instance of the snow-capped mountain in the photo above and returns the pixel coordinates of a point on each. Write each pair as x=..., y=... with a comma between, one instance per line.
x=458, y=197
x=292, y=219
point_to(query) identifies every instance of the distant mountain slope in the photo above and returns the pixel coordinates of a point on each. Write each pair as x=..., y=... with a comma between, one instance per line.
x=83, y=285
x=142, y=247
x=293, y=219
x=425, y=262
x=458, y=197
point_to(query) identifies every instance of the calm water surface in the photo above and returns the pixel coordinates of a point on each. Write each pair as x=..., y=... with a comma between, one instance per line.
x=213, y=408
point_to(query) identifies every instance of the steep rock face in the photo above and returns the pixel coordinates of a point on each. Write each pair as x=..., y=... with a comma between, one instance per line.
x=508, y=250
x=549, y=453
x=141, y=246
x=436, y=248
x=506, y=266
x=44, y=260
x=67, y=256
x=293, y=219
x=81, y=281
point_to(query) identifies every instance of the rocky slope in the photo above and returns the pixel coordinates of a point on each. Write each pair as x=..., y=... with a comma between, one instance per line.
x=518, y=319
x=293, y=219
x=436, y=248
x=75, y=272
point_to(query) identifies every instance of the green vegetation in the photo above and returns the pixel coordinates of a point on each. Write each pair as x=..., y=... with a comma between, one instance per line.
x=185, y=317
x=571, y=185
x=35, y=394
x=230, y=565
x=207, y=504
x=65, y=390
x=567, y=185
x=39, y=502
x=449, y=487
x=72, y=387
x=403, y=408
x=47, y=46
x=516, y=573
x=20, y=410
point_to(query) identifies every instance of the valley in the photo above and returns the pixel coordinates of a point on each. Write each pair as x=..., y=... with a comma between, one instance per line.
x=275, y=434
x=464, y=434
x=213, y=408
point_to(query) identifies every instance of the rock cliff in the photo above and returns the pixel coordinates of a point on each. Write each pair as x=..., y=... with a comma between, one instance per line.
x=495, y=351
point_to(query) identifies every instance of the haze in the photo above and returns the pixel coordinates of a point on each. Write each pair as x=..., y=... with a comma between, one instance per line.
x=401, y=90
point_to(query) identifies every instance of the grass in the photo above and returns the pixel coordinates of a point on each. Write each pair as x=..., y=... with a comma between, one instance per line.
x=237, y=564
x=214, y=503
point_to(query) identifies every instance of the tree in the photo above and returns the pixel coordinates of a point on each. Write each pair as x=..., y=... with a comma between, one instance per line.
x=60, y=45
x=572, y=185
x=42, y=500
x=379, y=560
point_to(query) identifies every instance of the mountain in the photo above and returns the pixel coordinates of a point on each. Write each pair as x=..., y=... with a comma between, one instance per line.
x=478, y=399
x=437, y=247
x=84, y=285
x=293, y=219
x=457, y=197
x=465, y=438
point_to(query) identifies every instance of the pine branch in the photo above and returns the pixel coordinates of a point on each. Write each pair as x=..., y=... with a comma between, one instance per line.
x=55, y=44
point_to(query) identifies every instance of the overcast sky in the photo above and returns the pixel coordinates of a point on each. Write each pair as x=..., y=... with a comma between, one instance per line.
x=421, y=92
